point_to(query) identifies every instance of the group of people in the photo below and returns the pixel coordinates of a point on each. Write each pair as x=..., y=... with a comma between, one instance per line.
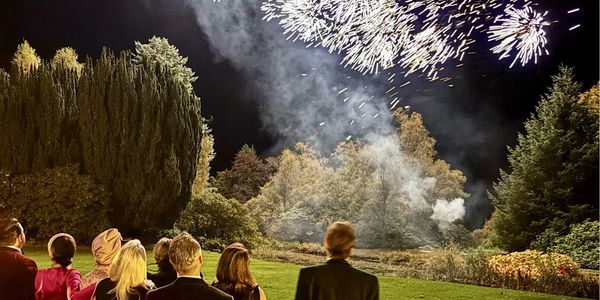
x=120, y=270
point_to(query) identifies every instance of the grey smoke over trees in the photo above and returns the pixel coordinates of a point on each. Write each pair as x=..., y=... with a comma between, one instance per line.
x=307, y=97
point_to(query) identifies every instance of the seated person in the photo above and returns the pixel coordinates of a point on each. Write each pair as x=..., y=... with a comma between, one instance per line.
x=17, y=272
x=337, y=279
x=234, y=277
x=60, y=281
x=127, y=279
x=166, y=274
x=186, y=256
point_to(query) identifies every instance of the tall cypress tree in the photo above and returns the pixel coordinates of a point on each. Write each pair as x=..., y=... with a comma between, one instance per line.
x=553, y=176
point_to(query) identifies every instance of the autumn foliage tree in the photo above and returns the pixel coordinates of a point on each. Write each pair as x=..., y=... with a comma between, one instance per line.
x=245, y=177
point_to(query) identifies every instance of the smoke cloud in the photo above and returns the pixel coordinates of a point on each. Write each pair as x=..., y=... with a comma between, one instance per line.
x=307, y=95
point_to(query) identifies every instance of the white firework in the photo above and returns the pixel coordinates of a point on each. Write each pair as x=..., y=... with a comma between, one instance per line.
x=521, y=31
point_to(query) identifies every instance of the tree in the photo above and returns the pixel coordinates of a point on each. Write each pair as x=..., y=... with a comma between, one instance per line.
x=25, y=59
x=159, y=50
x=553, y=175
x=218, y=221
x=66, y=58
x=246, y=176
x=134, y=128
x=417, y=143
x=205, y=157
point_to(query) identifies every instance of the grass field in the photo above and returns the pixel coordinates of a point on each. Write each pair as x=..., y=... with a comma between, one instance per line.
x=279, y=280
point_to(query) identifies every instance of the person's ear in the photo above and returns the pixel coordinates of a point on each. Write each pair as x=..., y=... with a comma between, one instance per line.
x=201, y=260
x=21, y=240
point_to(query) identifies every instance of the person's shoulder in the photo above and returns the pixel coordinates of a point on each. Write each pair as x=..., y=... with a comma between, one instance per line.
x=218, y=294
x=313, y=268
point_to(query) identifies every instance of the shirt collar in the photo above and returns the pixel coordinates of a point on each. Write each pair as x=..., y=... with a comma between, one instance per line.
x=14, y=248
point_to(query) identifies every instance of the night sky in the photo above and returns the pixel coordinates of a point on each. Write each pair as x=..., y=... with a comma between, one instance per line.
x=473, y=121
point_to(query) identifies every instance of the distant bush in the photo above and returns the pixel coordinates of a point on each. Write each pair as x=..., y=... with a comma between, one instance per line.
x=532, y=264
x=581, y=244
x=458, y=235
x=217, y=222
x=397, y=257
x=56, y=200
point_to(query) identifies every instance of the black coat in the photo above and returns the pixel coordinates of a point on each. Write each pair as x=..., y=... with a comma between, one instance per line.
x=334, y=280
x=165, y=275
x=186, y=288
x=104, y=286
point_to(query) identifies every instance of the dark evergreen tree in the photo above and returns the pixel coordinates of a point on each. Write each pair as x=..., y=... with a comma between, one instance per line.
x=134, y=127
x=553, y=176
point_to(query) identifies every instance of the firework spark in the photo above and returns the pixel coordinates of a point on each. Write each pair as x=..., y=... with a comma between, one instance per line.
x=521, y=30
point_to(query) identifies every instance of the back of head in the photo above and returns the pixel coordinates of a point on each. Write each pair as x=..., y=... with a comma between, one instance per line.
x=10, y=230
x=106, y=245
x=185, y=253
x=161, y=252
x=61, y=249
x=339, y=239
x=233, y=272
x=129, y=269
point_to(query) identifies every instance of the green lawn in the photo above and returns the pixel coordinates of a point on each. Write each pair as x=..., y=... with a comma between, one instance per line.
x=279, y=280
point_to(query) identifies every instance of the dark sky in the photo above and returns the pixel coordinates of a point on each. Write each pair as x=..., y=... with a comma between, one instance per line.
x=473, y=122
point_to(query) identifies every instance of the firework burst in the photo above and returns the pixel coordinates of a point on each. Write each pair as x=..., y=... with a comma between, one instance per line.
x=521, y=31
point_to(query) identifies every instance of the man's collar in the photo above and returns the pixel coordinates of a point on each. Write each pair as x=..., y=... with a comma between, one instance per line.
x=338, y=260
x=12, y=248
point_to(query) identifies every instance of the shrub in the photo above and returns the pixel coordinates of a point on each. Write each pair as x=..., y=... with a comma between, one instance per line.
x=56, y=200
x=397, y=257
x=581, y=244
x=458, y=235
x=532, y=264
x=217, y=222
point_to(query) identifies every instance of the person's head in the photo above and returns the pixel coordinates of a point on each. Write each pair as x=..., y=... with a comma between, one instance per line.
x=128, y=268
x=185, y=255
x=161, y=252
x=11, y=233
x=61, y=249
x=339, y=240
x=233, y=270
x=106, y=245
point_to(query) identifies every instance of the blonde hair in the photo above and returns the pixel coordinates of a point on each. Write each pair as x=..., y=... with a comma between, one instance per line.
x=233, y=271
x=339, y=239
x=184, y=253
x=128, y=270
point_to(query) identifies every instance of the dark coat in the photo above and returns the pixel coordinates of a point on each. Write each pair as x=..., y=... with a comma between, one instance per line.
x=185, y=288
x=334, y=280
x=17, y=275
x=104, y=286
x=165, y=275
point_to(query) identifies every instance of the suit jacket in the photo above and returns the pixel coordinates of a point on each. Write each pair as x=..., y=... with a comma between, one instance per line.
x=334, y=280
x=17, y=275
x=186, y=288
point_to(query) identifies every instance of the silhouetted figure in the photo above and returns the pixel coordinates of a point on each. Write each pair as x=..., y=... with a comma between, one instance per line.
x=337, y=279
x=60, y=281
x=234, y=277
x=166, y=274
x=186, y=256
x=17, y=272
x=127, y=279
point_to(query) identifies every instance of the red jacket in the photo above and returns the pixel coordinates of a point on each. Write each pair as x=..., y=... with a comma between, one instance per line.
x=17, y=275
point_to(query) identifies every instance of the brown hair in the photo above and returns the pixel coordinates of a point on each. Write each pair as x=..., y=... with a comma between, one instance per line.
x=233, y=271
x=184, y=252
x=161, y=249
x=339, y=239
x=10, y=229
x=61, y=249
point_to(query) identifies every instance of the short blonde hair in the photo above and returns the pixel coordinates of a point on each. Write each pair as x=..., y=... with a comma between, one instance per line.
x=339, y=239
x=184, y=252
x=128, y=269
x=161, y=249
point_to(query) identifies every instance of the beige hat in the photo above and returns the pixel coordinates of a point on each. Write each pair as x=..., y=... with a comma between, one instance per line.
x=106, y=245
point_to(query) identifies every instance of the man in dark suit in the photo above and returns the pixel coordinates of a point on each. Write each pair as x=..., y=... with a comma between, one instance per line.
x=185, y=255
x=337, y=279
x=17, y=272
